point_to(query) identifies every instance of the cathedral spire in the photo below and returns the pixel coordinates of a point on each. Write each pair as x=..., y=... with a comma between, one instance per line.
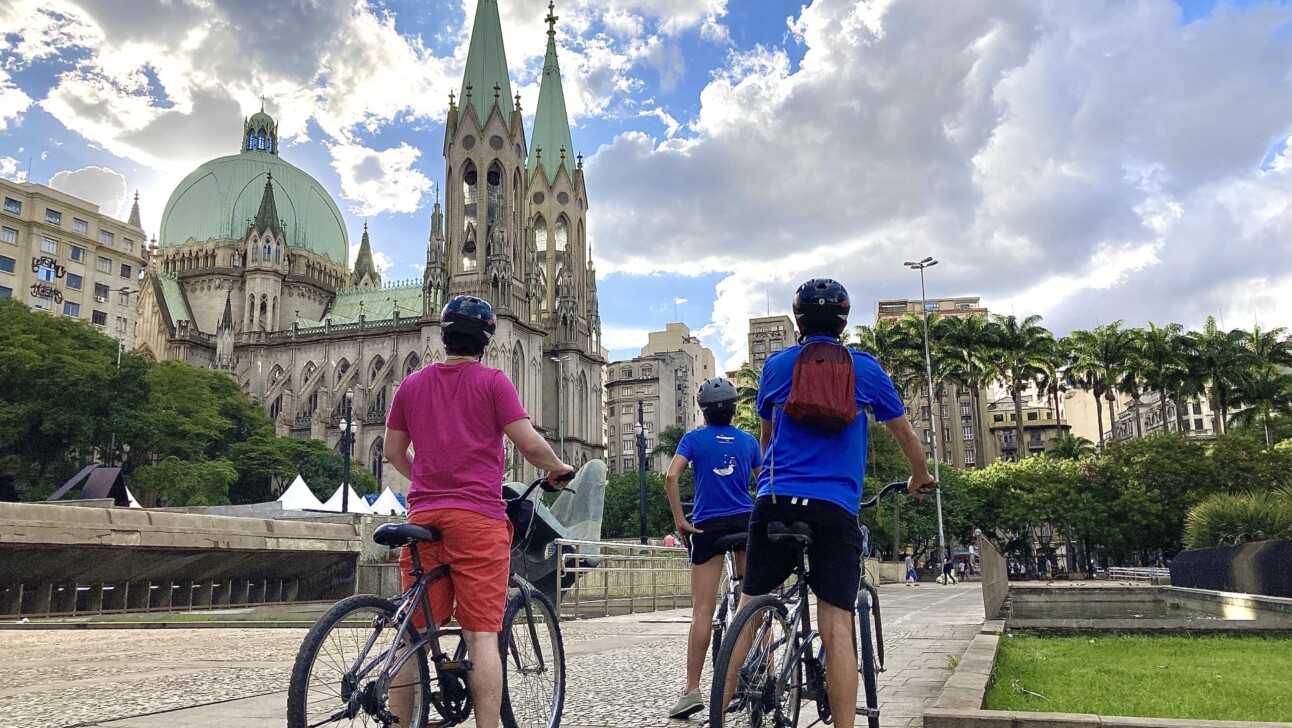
x=486, y=71
x=134, y=213
x=551, y=135
x=226, y=320
x=365, y=271
x=267, y=215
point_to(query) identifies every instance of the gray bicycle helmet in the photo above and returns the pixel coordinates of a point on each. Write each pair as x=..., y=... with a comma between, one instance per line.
x=716, y=393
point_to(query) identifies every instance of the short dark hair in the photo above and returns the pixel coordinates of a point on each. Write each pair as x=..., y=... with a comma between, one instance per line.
x=457, y=343
x=719, y=415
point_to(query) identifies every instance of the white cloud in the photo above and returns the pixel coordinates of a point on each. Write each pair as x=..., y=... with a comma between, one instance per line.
x=13, y=102
x=380, y=181
x=619, y=337
x=679, y=301
x=1090, y=161
x=100, y=185
x=12, y=170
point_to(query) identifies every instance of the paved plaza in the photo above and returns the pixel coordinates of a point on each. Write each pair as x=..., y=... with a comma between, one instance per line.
x=623, y=671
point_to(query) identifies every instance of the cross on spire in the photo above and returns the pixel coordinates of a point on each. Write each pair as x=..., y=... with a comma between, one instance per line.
x=262, y=102
x=551, y=18
x=497, y=91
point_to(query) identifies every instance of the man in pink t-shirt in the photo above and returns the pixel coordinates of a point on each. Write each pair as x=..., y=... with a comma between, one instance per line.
x=455, y=415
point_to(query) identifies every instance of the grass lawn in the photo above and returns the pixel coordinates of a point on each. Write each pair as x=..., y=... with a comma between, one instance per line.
x=1217, y=678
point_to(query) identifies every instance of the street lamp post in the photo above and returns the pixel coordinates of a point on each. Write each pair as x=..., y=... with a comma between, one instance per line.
x=121, y=345
x=641, y=466
x=560, y=374
x=933, y=414
x=347, y=443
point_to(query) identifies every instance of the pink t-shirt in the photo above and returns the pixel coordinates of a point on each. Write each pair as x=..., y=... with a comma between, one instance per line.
x=454, y=414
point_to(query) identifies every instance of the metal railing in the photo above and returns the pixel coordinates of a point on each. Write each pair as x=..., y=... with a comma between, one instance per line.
x=1137, y=573
x=626, y=578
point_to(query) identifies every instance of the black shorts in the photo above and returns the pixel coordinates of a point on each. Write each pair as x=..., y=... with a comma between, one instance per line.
x=834, y=559
x=701, y=545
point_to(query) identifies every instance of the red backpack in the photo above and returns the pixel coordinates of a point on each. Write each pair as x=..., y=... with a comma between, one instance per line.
x=823, y=392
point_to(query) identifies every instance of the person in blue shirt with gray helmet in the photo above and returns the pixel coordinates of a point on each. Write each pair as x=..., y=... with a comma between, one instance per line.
x=725, y=459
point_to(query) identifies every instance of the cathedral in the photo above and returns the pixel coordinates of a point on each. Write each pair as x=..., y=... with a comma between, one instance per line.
x=250, y=274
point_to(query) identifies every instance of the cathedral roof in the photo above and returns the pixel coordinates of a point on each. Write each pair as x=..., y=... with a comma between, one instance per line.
x=376, y=304
x=221, y=197
x=487, y=65
x=551, y=123
x=173, y=295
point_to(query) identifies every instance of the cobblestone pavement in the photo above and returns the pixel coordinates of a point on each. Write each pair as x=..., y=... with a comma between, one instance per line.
x=623, y=671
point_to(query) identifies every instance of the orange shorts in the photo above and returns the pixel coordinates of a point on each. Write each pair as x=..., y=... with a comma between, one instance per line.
x=477, y=550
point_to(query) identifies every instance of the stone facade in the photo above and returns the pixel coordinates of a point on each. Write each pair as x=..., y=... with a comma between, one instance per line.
x=299, y=330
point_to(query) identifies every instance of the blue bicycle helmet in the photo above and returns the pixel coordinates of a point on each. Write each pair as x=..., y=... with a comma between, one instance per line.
x=471, y=316
x=821, y=306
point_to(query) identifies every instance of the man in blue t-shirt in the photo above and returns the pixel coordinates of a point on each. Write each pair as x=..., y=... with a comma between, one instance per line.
x=814, y=476
x=725, y=459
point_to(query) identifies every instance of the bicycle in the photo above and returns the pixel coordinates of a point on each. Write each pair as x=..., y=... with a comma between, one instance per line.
x=377, y=648
x=729, y=591
x=785, y=659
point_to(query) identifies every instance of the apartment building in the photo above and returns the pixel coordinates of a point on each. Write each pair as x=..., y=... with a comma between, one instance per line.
x=677, y=337
x=768, y=335
x=658, y=388
x=59, y=254
x=1041, y=425
x=956, y=306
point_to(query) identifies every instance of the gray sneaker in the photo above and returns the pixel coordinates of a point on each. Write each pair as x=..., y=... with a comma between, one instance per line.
x=687, y=705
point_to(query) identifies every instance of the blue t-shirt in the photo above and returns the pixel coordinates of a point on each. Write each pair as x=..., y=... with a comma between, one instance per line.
x=810, y=462
x=723, y=458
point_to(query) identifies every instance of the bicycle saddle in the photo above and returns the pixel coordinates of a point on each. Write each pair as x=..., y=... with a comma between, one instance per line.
x=797, y=532
x=394, y=535
x=731, y=542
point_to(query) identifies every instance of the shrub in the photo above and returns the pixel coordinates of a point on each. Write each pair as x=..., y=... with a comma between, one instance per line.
x=1229, y=519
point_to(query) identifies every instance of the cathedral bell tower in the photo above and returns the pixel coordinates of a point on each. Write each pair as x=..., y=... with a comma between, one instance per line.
x=484, y=151
x=265, y=253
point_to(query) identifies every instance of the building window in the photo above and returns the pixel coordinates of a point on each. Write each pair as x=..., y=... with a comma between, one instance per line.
x=74, y=281
x=627, y=444
x=1197, y=424
x=49, y=245
x=1031, y=415
x=53, y=217
x=628, y=465
x=77, y=252
x=648, y=426
x=626, y=373
x=998, y=418
x=101, y=291
x=968, y=433
x=121, y=324
x=625, y=391
x=105, y=237
x=103, y=265
x=944, y=411
x=99, y=318
x=124, y=297
x=80, y=227
x=966, y=410
x=9, y=235
x=946, y=434
x=970, y=458
x=7, y=264
x=44, y=303
x=612, y=430
x=128, y=245
x=648, y=407
x=125, y=271
x=45, y=273
x=12, y=206
x=928, y=435
x=71, y=309
x=924, y=412
x=6, y=292
x=626, y=409
x=1197, y=408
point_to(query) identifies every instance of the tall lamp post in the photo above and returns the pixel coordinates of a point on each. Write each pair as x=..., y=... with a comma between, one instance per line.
x=641, y=466
x=121, y=345
x=933, y=414
x=347, y=444
x=560, y=375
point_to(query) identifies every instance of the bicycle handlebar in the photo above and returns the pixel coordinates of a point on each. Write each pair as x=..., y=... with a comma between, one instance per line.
x=546, y=484
x=890, y=488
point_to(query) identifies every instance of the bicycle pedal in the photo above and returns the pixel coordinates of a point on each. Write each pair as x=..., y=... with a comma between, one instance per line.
x=455, y=667
x=868, y=712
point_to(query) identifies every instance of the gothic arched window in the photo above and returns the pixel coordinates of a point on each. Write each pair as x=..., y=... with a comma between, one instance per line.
x=540, y=241
x=342, y=367
x=269, y=144
x=260, y=140
x=562, y=240
x=469, y=193
x=251, y=140
x=377, y=458
x=377, y=364
x=276, y=408
x=493, y=182
x=469, y=256
x=413, y=363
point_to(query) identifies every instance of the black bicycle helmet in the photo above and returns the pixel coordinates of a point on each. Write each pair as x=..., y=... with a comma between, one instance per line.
x=821, y=307
x=715, y=393
x=471, y=316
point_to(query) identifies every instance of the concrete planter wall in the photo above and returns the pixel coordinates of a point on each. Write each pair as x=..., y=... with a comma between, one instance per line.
x=1261, y=567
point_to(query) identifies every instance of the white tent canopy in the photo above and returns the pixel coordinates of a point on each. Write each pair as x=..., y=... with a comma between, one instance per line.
x=299, y=497
x=388, y=504
x=131, y=498
x=356, y=505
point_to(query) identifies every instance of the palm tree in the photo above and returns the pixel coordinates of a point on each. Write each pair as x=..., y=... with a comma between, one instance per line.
x=668, y=440
x=1263, y=394
x=1219, y=357
x=1102, y=354
x=1162, y=363
x=970, y=345
x=1023, y=347
x=1082, y=373
x=747, y=419
x=1071, y=447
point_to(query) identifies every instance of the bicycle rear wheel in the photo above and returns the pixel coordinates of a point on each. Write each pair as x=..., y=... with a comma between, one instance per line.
x=336, y=678
x=866, y=651
x=749, y=668
x=533, y=655
x=719, y=624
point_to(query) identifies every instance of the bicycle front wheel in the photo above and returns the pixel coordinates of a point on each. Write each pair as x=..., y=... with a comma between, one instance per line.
x=720, y=619
x=337, y=679
x=533, y=655
x=866, y=650
x=758, y=677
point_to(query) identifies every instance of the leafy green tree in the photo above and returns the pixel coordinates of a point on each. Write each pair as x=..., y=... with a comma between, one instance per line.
x=194, y=413
x=1242, y=464
x=747, y=419
x=1071, y=447
x=621, y=514
x=1264, y=395
x=668, y=440
x=174, y=482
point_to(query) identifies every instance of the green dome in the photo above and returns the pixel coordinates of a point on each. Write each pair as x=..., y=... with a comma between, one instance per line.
x=220, y=198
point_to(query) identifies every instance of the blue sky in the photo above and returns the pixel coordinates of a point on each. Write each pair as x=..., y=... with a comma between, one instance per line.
x=1079, y=160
